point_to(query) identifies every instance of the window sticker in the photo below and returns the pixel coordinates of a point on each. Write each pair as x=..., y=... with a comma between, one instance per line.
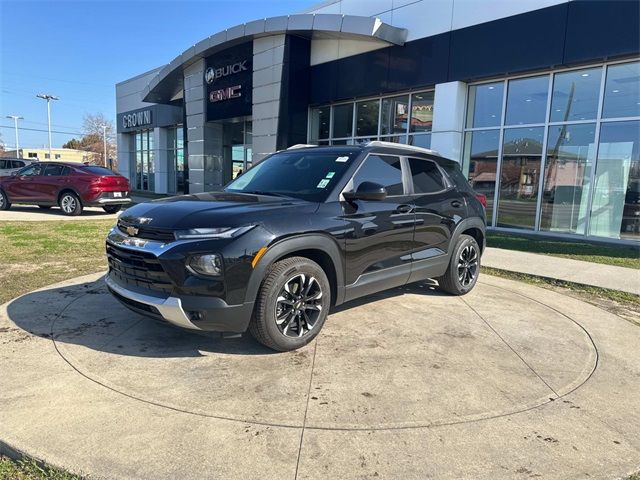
x=342, y=159
x=323, y=183
x=330, y=174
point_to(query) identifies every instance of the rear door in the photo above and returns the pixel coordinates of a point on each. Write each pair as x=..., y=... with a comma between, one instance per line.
x=439, y=207
x=381, y=232
x=51, y=181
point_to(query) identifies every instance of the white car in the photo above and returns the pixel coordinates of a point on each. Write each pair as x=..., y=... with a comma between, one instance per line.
x=10, y=165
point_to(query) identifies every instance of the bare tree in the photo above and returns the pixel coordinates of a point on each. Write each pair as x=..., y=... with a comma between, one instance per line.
x=92, y=140
x=2, y=147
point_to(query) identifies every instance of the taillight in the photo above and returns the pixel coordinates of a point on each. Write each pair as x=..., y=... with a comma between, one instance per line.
x=482, y=198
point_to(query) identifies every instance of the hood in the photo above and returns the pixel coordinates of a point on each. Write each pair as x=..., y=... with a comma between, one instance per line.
x=204, y=210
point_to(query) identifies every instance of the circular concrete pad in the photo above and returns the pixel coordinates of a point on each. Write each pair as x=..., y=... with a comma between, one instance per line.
x=510, y=381
x=406, y=358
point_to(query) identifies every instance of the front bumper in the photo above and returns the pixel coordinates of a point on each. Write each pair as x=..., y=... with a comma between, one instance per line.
x=191, y=312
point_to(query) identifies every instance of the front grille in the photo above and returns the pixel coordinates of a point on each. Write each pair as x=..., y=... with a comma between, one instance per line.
x=137, y=269
x=148, y=233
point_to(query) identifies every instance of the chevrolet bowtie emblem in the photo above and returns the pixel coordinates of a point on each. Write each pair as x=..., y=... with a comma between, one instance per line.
x=132, y=231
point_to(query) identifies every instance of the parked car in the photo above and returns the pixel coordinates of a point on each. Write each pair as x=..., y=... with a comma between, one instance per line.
x=300, y=232
x=10, y=165
x=71, y=186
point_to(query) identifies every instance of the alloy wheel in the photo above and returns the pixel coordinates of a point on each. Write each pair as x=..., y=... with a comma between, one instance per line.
x=299, y=305
x=467, y=265
x=2, y=200
x=68, y=204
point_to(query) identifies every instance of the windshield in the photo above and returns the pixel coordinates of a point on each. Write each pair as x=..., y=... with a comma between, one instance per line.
x=307, y=175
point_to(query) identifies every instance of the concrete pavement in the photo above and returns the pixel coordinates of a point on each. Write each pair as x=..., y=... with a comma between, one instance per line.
x=32, y=213
x=569, y=270
x=510, y=381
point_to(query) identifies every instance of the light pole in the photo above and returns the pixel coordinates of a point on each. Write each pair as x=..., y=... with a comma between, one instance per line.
x=104, y=139
x=15, y=124
x=48, y=98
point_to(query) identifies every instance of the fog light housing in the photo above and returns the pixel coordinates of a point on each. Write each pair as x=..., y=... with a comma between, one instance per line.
x=210, y=264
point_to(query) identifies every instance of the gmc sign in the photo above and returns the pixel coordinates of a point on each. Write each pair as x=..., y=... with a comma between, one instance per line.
x=229, y=83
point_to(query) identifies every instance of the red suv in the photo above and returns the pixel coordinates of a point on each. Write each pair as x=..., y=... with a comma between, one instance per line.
x=71, y=186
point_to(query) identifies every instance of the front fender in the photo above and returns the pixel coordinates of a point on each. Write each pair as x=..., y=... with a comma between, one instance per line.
x=289, y=245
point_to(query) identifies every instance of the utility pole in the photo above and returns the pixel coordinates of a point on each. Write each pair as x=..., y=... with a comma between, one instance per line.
x=15, y=124
x=48, y=98
x=104, y=139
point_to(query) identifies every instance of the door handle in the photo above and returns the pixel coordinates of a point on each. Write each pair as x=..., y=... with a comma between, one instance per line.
x=404, y=209
x=456, y=203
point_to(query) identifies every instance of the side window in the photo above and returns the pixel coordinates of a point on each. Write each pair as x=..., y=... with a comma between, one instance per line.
x=30, y=171
x=426, y=176
x=17, y=164
x=4, y=164
x=383, y=169
x=53, y=170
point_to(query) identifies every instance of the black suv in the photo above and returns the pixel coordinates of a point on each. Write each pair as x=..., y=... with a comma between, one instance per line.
x=303, y=230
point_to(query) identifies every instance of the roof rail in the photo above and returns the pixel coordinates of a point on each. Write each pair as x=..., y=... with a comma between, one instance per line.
x=300, y=145
x=379, y=143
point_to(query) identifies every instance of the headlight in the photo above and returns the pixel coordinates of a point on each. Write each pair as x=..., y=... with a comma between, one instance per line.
x=219, y=232
x=206, y=264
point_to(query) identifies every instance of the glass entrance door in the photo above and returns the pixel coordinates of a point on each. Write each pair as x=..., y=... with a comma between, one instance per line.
x=238, y=147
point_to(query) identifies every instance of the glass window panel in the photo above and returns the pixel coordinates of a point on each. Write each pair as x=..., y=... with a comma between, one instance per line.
x=485, y=105
x=343, y=120
x=367, y=117
x=575, y=95
x=480, y=163
x=519, y=177
x=622, y=91
x=395, y=115
x=385, y=170
x=421, y=112
x=395, y=139
x=422, y=140
x=527, y=100
x=570, y=152
x=320, y=118
x=426, y=176
x=615, y=210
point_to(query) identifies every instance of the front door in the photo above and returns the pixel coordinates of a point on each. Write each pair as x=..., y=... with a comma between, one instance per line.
x=380, y=240
x=23, y=185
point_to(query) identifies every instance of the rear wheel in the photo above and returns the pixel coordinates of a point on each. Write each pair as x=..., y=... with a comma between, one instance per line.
x=5, y=204
x=464, y=267
x=112, y=208
x=44, y=207
x=70, y=204
x=292, y=304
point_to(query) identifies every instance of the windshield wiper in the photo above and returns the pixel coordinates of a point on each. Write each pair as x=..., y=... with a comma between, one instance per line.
x=261, y=192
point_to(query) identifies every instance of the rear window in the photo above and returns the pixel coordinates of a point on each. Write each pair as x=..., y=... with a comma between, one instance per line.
x=456, y=175
x=426, y=176
x=54, y=171
x=98, y=170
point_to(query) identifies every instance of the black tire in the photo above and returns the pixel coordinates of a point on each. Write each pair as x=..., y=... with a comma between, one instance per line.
x=5, y=204
x=464, y=267
x=70, y=204
x=112, y=208
x=44, y=207
x=285, y=304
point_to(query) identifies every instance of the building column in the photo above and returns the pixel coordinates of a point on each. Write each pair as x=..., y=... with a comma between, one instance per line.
x=126, y=156
x=205, y=161
x=448, y=119
x=160, y=160
x=268, y=57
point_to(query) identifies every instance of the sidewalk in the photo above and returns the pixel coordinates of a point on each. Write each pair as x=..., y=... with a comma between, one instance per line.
x=576, y=271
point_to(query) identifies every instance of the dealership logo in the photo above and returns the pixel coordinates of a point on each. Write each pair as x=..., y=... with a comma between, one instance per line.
x=225, y=94
x=213, y=74
x=136, y=119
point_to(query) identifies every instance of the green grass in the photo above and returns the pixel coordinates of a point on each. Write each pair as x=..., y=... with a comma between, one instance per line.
x=621, y=256
x=34, y=255
x=27, y=469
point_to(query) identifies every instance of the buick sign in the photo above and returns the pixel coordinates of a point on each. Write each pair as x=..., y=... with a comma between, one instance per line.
x=137, y=119
x=213, y=74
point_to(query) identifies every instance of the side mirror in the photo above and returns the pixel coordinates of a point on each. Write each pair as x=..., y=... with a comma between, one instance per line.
x=369, y=191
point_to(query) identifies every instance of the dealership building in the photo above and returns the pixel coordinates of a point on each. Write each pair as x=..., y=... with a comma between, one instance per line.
x=539, y=101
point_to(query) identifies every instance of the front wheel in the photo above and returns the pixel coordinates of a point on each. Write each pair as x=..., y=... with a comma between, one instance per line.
x=112, y=208
x=464, y=267
x=5, y=204
x=70, y=204
x=292, y=304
